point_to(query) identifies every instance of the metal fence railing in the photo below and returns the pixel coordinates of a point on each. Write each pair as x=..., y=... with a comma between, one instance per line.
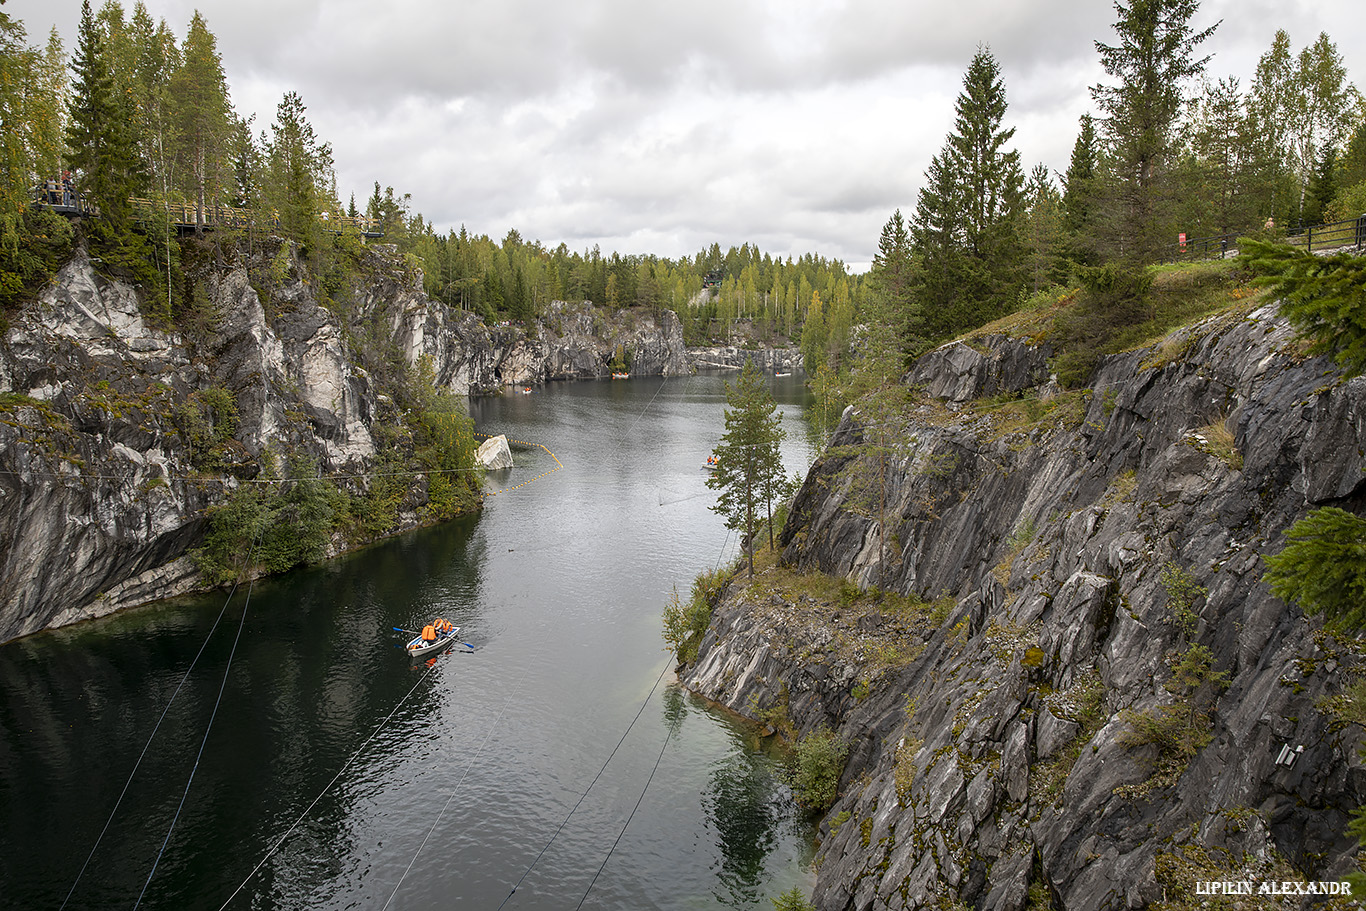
x=1338, y=235
x=60, y=197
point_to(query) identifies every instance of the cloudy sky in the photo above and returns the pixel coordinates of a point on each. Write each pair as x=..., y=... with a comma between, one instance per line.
x=650, y=127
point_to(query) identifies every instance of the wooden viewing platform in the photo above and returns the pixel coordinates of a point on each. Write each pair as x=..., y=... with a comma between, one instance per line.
x=188, y=216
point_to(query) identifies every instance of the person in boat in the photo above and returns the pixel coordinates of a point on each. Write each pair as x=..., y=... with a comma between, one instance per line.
x=429, y=633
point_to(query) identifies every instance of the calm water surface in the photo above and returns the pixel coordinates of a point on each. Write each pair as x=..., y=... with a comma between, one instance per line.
x=355, y=779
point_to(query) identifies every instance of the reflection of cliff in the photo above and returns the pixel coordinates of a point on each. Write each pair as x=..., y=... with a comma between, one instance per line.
x=742, y=803
x=314, y=673
x=994, y=747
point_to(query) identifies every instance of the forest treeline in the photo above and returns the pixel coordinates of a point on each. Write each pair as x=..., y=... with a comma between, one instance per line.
x=135, y=112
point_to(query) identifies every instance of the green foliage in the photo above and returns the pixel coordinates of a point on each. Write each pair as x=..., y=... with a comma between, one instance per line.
x=443, y=437
x=207, y=419
x=685, y=625
x=967, y=224
x=749, y=473
x=792, y=900
x=1114, y=296
x=273, y=526
x=298, y=179
x=1182, y=593
x=375, y=513
x=1324, y=298
x=34, y=243
x=1152, y=62
x=816, y=766
x=1182, y=729
x=1323, y=568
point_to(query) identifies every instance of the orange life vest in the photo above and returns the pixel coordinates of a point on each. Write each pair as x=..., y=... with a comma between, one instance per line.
x=429, y=633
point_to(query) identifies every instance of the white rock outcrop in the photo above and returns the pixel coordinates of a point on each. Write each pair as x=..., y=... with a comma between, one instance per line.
x=494, y=453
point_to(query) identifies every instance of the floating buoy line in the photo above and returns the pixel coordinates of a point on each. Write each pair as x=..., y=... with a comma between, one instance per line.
x=558, y=465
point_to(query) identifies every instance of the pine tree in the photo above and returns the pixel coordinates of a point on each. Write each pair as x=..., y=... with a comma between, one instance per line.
x=1154, y=59
x=749, y=457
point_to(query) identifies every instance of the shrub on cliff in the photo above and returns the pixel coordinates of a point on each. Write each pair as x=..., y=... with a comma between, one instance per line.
x=685, y=625
x=814, y=773
x=1323, y=568
x=1323, y=297
x=33, y=245
x=274, y=526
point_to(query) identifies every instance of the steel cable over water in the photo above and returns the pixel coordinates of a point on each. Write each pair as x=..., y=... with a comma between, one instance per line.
x=668, y=735
x=308, y=809
x=156, y=727
x=198, y=756
x=584, y=795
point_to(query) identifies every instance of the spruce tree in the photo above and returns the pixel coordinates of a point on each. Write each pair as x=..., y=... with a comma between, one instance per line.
x=893, y=275
x=1081, y=190
x=102, y=150
x=1152, y=61
x=1323, y=568
x=1324, y=298
x=1043, y=230
x=298, y=171
x=966, y=229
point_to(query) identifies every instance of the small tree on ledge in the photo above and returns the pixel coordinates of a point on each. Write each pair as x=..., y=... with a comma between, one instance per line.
x=749, y=462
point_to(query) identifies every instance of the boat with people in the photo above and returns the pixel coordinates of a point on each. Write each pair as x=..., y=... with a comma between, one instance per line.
x=620, y=375
x=713, y=463
x=434, y=636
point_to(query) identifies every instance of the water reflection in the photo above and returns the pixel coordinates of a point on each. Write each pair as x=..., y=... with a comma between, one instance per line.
x=561, y=583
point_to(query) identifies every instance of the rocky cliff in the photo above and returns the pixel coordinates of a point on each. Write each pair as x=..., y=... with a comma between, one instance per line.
x=733, y=357
x=1084, y=695
x=105, y=415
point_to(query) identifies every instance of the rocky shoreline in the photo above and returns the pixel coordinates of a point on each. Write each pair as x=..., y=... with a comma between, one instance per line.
x=1070, y=550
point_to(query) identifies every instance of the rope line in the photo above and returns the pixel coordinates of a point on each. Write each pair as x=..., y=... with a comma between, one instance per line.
x=667, y=737
x=308, y=809
x=449, y=798
x=583, y=796
x=156, y=727
x=227, y=669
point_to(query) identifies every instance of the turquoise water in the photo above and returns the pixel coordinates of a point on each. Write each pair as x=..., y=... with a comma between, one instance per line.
x=338, y=774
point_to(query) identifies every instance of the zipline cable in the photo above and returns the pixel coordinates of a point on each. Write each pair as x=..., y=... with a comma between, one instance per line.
x=667, y=737
x=146, y=746
x=583, y=796
x=449, y=798
x=356, y=755
x=207, y=730
x=308, y=809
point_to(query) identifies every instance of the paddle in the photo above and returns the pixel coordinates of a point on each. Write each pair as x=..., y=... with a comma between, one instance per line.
x=416, y=633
